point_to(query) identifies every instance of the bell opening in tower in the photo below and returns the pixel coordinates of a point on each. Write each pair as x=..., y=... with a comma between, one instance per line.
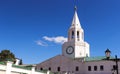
x=72, y=34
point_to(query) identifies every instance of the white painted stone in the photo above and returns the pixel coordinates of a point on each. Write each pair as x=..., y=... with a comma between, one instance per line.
x=9, y=66
x=8, y=69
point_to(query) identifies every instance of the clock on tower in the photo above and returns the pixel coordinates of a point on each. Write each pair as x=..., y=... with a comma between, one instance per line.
x=69, y=50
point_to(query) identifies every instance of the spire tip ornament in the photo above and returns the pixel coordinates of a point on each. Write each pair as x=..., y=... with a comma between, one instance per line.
x=75, y=8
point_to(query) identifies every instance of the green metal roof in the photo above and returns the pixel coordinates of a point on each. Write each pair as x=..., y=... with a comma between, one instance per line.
x=98, y=58
x=2, y=63
x=22, y=67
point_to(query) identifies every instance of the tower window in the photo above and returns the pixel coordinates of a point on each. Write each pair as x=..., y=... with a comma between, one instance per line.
x=89, y=68
x=95, y=68
x=77, y=68
x=58, y=69
x=101, y=67
x=72, y=34
x=78, y=35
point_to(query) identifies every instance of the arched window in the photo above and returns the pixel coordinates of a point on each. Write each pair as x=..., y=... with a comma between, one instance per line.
x=72, y=34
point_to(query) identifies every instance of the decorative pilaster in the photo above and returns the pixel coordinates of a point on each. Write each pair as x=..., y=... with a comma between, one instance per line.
x=33, y=69
x=8, y=67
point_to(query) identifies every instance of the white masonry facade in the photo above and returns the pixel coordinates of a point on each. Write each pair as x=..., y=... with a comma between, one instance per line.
x=9, y=68
x=75, y=57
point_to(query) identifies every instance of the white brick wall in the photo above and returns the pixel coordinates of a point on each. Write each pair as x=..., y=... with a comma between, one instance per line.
x=8, y=69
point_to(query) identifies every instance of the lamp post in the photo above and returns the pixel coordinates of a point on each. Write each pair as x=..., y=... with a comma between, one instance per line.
x=116, y=60
x=107, y=53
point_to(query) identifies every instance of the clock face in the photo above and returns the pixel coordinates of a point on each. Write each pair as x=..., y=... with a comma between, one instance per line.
x=70, y=50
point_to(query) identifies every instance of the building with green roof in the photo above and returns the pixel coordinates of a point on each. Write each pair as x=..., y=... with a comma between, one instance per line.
x=75, y=57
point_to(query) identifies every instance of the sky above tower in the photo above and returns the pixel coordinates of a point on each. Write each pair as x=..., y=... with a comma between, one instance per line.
x=34, y=30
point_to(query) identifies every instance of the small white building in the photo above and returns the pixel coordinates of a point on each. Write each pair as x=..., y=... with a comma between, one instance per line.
x=7, y=67
x=75, y=57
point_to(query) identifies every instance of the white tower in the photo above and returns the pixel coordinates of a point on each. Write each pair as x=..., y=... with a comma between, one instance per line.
x=75, y=47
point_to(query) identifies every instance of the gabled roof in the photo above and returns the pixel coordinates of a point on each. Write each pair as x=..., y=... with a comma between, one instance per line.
x=57, y=57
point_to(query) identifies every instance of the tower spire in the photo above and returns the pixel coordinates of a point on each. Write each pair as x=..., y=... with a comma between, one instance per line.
x=75, y=47
x=75, y=21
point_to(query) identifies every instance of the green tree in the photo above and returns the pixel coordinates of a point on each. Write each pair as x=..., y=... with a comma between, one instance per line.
x=7, y=55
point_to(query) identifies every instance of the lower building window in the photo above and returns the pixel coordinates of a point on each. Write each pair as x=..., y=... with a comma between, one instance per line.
x=101, y=67
x=49, y=68
x=77, y=68
x=114, y=67
x=58, y=68
x=95, y=68
x=41, y=68
x=89, y=68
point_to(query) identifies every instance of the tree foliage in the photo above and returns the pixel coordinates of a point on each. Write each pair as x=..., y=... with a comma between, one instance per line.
x=7, y=55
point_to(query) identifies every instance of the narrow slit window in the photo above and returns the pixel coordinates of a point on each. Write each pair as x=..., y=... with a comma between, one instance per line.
x=78, y=35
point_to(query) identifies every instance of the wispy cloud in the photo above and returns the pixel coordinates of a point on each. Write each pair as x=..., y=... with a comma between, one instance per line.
x=41, y=43
x=58, y=39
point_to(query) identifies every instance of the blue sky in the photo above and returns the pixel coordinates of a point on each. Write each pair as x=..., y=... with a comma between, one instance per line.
x=29, y=27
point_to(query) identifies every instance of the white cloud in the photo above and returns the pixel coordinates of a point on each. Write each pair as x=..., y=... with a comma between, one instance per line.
x=41, y=43
x=58, y=39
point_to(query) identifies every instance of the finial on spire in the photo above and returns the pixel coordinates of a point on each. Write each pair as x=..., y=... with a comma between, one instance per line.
x=75, y=8
x=75, y=3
